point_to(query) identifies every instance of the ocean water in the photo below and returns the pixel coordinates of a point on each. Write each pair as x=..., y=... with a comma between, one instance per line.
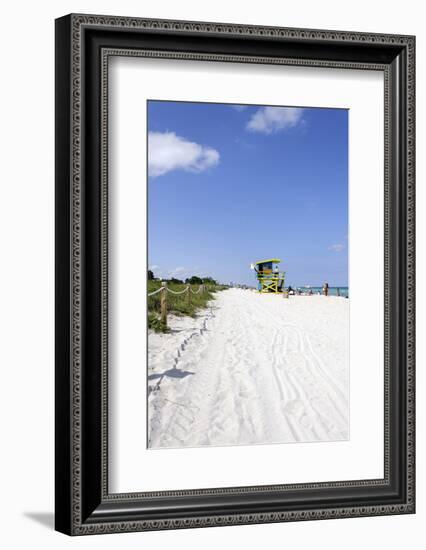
x=332, y=290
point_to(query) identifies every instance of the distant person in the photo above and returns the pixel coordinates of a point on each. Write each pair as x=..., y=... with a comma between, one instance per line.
x=325, y=289
x=290, y=291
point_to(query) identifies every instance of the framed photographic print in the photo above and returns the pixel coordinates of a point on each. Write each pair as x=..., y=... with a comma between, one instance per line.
x=234, y=274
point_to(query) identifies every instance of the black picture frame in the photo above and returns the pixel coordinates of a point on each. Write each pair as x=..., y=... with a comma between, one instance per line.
x=83, y=45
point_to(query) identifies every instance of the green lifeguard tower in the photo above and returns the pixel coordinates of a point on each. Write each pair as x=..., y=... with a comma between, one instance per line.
x=269, y=276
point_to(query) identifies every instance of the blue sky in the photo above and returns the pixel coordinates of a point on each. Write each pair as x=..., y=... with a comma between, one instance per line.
x=230, y=185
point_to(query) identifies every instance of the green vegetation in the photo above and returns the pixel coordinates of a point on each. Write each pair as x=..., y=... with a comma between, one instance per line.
x=155, y=323
x=194, y=280
x=178, y=304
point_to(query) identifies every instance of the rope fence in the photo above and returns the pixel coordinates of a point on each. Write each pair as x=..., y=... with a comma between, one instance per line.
x=200, y=288
x=155, y=291
x=164, y=289
x=175, y=291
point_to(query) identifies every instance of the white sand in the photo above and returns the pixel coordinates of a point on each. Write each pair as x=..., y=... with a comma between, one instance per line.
x=252, y=368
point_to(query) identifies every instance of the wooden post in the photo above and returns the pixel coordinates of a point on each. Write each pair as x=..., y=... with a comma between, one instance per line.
x=338, y=291
x=188, y=295
x=163, y=302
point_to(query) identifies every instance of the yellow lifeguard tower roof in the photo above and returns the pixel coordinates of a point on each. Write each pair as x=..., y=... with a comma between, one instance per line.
x=273, y=261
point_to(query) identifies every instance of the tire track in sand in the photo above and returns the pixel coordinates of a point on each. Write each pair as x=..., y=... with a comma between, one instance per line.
x=313, y=424
x=258, y=379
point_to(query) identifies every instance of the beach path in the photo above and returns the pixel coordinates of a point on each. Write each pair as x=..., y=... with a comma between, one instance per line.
x=251, y=369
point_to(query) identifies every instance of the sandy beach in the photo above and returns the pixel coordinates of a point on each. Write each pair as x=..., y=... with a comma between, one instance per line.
x=251, y=369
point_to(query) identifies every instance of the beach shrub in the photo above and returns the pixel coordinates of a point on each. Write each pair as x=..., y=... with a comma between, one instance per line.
x=155, y=323
x=194, y=280
x=175, y=281
x=177, y=304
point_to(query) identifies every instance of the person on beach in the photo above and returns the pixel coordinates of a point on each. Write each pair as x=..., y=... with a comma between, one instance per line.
x=325, y=289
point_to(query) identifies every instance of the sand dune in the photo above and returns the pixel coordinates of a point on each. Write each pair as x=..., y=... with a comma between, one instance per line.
x=251, y=369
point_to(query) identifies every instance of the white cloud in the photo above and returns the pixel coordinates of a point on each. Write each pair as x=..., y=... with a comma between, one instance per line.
x=268, y=120
x=337, y=247
x=239, y=107
x=152, y=267
x=167, y=152
x=177, y=271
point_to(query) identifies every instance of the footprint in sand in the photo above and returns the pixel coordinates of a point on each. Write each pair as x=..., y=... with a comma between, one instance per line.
x=294, y=407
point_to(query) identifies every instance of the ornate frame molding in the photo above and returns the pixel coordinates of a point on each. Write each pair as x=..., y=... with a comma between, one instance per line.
x=72, y=46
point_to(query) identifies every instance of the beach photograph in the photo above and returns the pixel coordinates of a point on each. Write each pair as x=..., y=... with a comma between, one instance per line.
x=247, y=282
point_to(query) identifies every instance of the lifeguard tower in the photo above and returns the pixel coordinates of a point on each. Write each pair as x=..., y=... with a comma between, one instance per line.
x=269, y=276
